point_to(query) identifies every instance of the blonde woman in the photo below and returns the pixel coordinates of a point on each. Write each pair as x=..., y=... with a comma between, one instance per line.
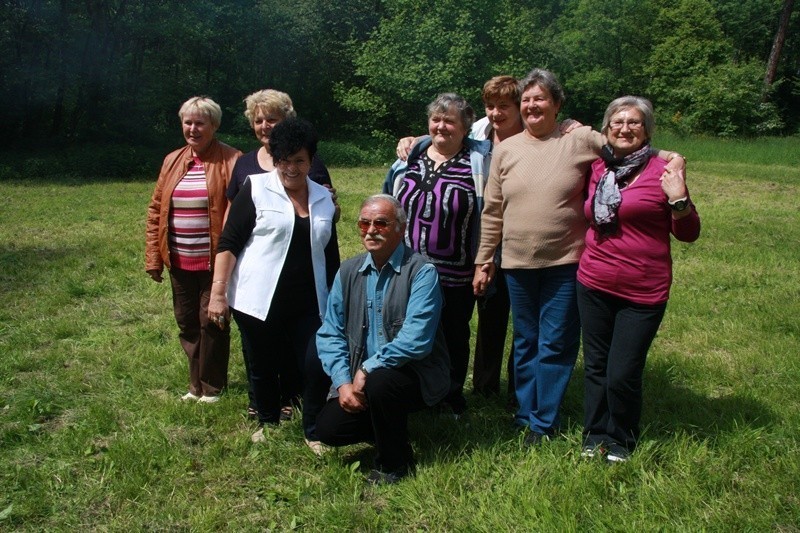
x=184, y=222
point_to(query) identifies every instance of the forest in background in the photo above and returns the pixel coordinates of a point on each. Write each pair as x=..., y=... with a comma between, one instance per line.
x=117, y=70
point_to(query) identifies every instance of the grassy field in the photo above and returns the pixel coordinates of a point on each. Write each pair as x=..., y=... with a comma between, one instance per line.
x=92, y=435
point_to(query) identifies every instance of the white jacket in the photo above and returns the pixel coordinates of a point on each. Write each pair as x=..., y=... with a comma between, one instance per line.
x=259, y=265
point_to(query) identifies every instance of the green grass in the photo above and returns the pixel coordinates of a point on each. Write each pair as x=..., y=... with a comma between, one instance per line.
x=92, y=435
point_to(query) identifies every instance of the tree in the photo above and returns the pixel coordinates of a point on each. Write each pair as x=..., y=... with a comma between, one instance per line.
x=603, y=53
x=418, y=50
x=777, y=46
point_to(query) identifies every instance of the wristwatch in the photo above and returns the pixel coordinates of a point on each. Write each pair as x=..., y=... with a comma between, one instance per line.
x=364, y=370
x=679, y=205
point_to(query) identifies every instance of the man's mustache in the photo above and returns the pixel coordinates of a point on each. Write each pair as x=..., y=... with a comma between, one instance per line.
x=377, y=238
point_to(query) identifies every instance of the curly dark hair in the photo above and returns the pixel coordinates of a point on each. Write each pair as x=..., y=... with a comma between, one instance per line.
x=290, y=136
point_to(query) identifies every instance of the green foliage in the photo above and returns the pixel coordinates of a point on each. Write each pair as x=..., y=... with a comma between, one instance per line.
x=352, y=154
x=603, y=53
x=713, y=103
x=409, y=59
x=696, y=84
x=118, y=70
x=521, y=36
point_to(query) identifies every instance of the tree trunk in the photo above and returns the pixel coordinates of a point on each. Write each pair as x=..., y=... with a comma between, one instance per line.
x=777, y=45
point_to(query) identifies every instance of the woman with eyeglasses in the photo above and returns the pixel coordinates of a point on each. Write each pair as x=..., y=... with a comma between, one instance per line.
x=276, y=261
x=534, y=207
x=625, y=272
x=440, y=187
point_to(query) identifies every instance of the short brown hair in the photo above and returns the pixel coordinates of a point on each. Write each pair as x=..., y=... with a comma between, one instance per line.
x=501, y=87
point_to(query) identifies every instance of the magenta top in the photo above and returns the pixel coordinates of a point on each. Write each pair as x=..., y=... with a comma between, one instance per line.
x=635, y=262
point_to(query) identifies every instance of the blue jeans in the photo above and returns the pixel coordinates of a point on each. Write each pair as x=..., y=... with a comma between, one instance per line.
x=546, y=340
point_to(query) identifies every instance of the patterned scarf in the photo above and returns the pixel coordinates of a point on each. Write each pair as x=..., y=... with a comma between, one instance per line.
x=607, y=196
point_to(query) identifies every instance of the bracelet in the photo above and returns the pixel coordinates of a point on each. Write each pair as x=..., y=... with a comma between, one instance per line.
x=676, y=155
x=220, y=281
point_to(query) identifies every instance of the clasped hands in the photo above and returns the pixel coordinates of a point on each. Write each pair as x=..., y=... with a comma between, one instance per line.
x=351, y=395
x=484, y=275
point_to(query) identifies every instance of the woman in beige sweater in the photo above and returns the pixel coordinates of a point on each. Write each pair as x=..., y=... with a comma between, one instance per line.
x=534, y=208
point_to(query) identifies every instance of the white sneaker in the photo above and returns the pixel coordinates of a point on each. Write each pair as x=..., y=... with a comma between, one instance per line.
x=258, y=437
x=208, y=399
x=189, y=397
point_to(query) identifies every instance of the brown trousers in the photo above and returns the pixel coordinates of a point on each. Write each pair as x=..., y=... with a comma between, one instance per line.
x=206, y=346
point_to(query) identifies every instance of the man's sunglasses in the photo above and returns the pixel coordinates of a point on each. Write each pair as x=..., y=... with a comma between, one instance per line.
x=380, y=224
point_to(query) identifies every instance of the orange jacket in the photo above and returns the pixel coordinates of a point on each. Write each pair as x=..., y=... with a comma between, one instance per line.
x=218, y=161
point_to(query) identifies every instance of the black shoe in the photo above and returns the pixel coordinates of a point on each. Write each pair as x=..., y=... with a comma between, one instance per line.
x=379, y=477
x=534, y=439
x=591, y=451
x=617, y=454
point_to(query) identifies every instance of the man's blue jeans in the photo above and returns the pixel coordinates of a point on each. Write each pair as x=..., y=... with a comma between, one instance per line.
x=546, y=340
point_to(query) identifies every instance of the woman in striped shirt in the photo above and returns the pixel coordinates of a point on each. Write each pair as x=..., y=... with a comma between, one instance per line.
x=441, y=189
x=184, y=222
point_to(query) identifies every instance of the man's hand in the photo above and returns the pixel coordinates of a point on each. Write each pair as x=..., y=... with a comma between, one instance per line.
x=351, y=400
x=155, y=275
x=359, y=381
x=335, y=198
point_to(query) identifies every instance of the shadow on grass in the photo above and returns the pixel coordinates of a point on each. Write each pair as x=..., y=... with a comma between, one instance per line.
x=670, y=407
x=23, y=266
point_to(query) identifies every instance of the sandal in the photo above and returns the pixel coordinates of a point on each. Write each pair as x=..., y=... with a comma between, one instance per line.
x=287, y=412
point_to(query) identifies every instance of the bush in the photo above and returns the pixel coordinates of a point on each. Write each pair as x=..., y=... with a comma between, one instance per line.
x=92, y=161
x=355, y=154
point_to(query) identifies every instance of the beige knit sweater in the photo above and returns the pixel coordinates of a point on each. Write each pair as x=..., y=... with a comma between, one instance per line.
x=534, y=199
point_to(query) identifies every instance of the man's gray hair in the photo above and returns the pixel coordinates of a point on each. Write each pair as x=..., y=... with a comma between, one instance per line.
x=399, y=213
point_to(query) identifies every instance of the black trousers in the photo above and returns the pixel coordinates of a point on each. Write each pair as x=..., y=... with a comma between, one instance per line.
x=283, y=361
x=617, y=334
x=490, y=341
x=392, y=394
x=459, y=302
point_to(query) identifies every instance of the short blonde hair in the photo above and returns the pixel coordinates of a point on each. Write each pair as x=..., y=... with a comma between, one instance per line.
x=268, y=101
x=203, y=105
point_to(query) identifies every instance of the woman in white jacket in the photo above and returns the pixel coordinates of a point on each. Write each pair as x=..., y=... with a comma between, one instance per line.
x=276, y=261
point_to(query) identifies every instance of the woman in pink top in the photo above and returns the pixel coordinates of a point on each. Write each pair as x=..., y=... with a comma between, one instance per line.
x=625, y=272
x=184, y=222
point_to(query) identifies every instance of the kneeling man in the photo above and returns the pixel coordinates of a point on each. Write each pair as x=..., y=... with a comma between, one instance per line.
x=381, y=343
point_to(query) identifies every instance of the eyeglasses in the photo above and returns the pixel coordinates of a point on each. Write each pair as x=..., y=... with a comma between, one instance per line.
x=632, y=124
x=380, y=224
